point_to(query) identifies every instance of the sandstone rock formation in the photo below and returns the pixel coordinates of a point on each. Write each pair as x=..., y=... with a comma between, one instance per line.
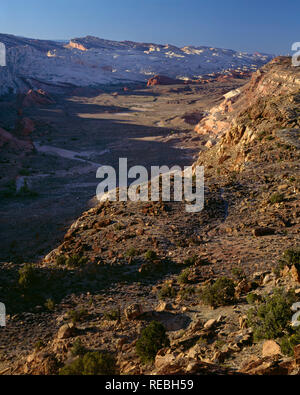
x=163, y=80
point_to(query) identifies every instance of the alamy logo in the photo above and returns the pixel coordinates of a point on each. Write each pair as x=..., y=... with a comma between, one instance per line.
x=296, y=56
x=2, y=315
x=296, y=316
x=2, y=55
x=188, y=185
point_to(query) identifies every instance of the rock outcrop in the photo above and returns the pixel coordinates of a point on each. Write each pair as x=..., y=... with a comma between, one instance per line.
x=13, y=143
x=36, y=97
x=263, y=108
x=163, y=80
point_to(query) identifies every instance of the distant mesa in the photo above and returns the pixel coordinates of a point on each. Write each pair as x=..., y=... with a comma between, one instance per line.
x=58, y=66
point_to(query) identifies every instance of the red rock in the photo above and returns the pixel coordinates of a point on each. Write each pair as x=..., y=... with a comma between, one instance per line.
x=163, y=80
x=13, y=142
x=36, y=97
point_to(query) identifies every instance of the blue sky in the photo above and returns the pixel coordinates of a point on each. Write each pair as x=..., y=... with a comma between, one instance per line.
x=266, y=25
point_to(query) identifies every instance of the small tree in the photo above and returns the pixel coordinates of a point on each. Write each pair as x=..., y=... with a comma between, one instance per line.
x=152, y=339
x=221, y=293
x=91, y=364
x=272, y=317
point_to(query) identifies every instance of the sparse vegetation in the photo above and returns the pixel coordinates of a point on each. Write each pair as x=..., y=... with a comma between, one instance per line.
x=28, y=277
x=131, y=253
x=78, y=349
x=253, y=298
x=291, y=257
x=272, y=317
x=238, y=273
x=190, y=261
x=183, y=277
x=276, y=198
x=167, y=291
x=152, y=339
x=289, y=342
x=112, y=315
x=77, y=315
x=91, y=364
x=220, y=293
x=151, y=255
x=73, y=261
x=186, y=292
x=50, y=304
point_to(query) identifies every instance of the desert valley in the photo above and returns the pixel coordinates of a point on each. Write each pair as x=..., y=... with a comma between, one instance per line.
x=141, y=288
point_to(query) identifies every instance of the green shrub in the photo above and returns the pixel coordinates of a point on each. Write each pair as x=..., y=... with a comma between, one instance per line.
x=292, y=257
x=221, y=293
x=253, y=298
x=288, y=343
x=191, y=261
x=91, y=364
x=50, y=305
x=276, y=198
x=113, y=315
x=278, y=268
x=60, y=260
x=151, y=255
x=152, y=339
x=72, y=261
x=78, y=349
x=183, y=277
x=238, y=273
x=187, y=292
x=28, y=277
x=131, y=253
x=167, y=291
x=77, y=315
x=273, y=315
x=76, y=261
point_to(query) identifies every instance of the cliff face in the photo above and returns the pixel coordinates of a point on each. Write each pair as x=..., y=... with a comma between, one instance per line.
x=264, y=107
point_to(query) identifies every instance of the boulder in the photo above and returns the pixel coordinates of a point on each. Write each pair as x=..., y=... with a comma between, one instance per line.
x=66, y=331
x=163, y=306
x=209, y=324
x=270, y=349
x=264, y=367
x=133, y=311
x=260, y=232
x=295, y=273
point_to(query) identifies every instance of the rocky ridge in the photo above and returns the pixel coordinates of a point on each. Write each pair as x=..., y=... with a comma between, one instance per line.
x=91, y=61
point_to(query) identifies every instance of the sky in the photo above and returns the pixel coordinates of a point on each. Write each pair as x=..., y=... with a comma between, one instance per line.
x=269, y=26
